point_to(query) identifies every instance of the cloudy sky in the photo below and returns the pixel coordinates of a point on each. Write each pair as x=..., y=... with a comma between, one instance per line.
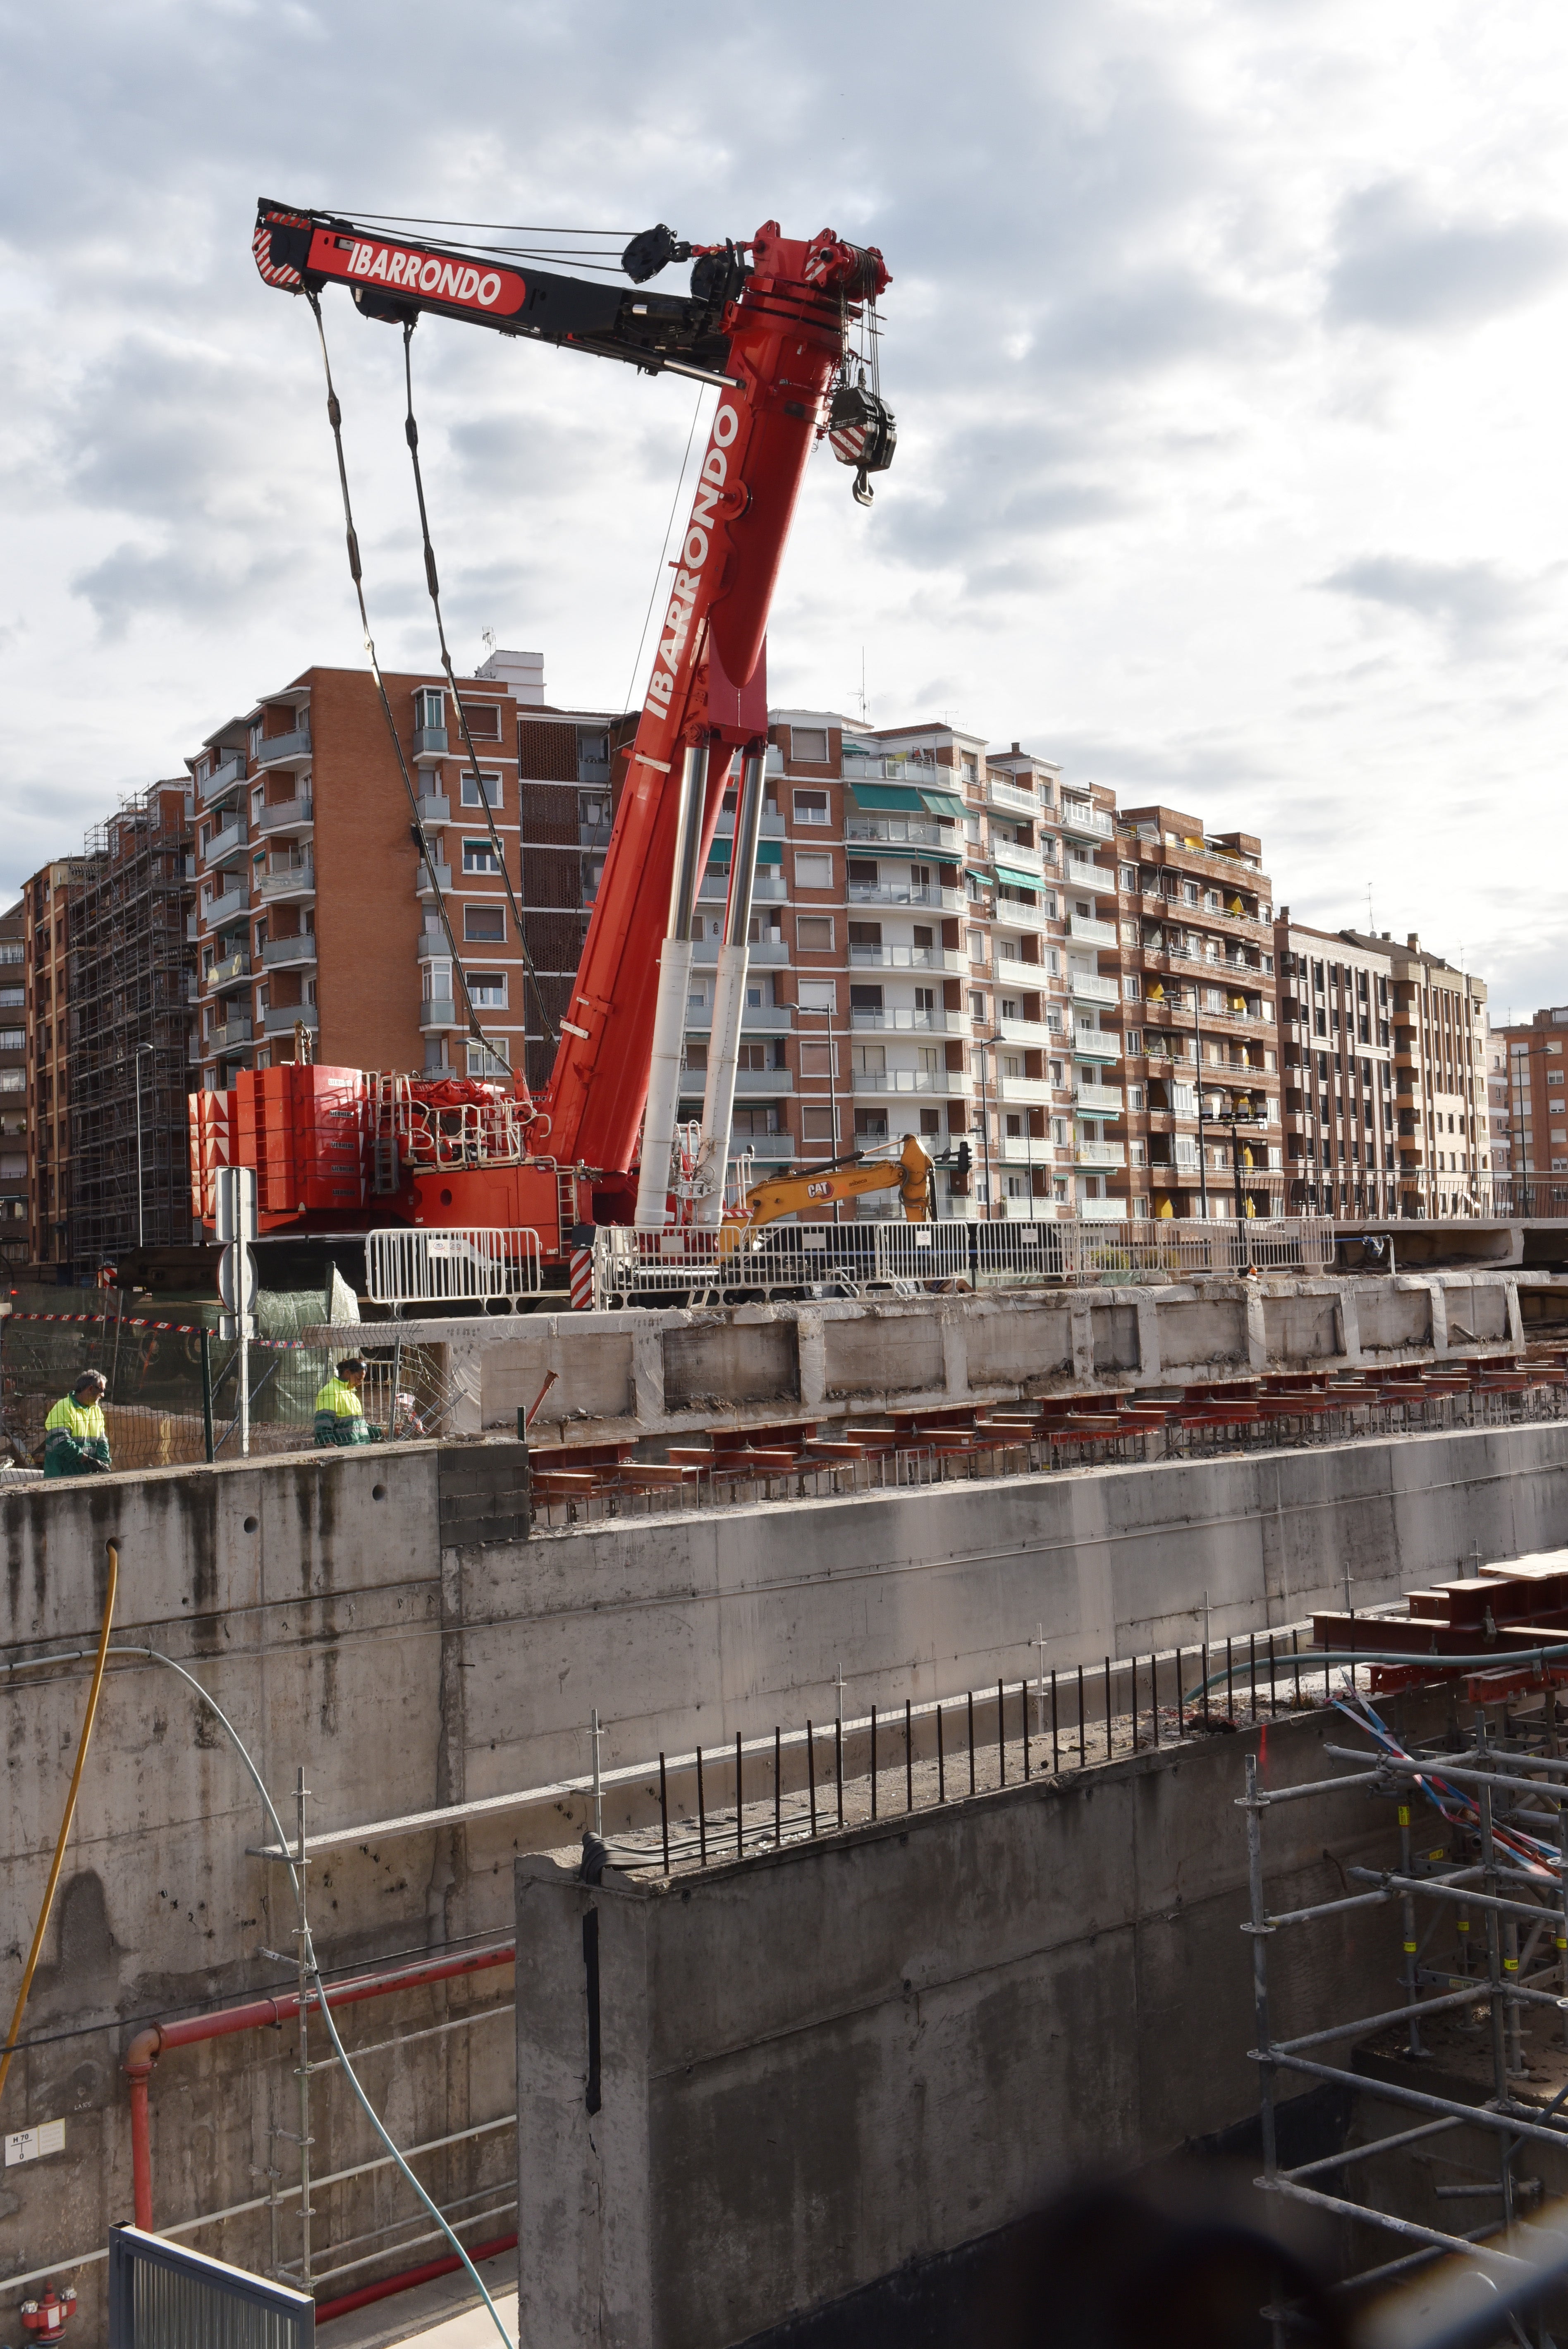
x=1227, y=344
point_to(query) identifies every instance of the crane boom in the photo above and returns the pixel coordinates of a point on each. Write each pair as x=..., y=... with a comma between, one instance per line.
x=767, y=322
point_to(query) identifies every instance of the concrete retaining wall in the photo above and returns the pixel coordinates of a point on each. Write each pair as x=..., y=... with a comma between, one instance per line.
x=655, y=1374
x=957, y=2009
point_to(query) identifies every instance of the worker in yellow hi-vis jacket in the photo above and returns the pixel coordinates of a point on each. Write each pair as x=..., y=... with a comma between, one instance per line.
x=339, y=1414
x=75, y=1442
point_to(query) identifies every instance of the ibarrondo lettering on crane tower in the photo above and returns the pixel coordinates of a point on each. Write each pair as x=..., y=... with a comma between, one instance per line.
x=715, y=498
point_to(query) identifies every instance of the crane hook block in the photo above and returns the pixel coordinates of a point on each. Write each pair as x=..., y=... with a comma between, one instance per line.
x=651, y=250
x=861, y=432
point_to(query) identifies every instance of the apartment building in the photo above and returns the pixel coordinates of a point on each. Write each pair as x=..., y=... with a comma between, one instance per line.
x=1441, y=1111
x=1336, y=1011
x=1193, y=962
x=49, y=899
x=13, y=1089
x=132, y=991
x=317, y=928
x=1499, y=1120
x=907, y=949
x=1532, y=1062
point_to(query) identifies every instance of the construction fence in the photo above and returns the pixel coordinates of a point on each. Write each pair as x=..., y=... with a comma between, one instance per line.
x=692, y=1267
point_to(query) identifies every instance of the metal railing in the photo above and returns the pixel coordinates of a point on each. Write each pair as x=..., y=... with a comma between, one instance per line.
x=162, y=2296
x=471, y=1266
x=690, y=1266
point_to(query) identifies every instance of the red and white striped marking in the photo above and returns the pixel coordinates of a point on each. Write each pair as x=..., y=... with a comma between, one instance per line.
x=583, y=1281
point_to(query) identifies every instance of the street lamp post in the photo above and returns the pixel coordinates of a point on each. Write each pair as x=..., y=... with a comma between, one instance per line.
x=987, y=1044
x=142, y=1051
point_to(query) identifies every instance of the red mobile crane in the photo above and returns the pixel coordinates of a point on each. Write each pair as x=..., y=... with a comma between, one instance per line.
x=769, y=322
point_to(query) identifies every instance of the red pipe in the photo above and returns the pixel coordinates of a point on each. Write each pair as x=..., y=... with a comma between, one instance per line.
x=261, y=2014
x=328, y=2309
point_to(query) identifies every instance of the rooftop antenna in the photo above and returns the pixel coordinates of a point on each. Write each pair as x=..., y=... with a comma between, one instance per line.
x=1371, y=916
x=487, y=637
x=865, y=706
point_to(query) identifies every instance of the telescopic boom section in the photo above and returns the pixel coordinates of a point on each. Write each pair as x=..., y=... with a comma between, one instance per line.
x=771, y=333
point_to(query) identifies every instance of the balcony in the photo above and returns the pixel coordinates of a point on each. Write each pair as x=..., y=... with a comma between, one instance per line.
x=1011, y=914
x=1096, y=1044
x=762, y=954
x=1084, y=932
x=227, y=973
x=284, y=884
x=422, y=887
x=1025, y=860
x=1099, y=1154
x=907, y=1081
x=906, y=892
x=1082, y=822
x=216, y=911
x=1100, y=1211
x=290, y=750
x=435, y=1012
x=1097, y=877
x=772, y=1149
x=430, y=742
x=1097, y=1101
x=282, y=1018
x=283, y=954
x=1033, y=1032
x=436, y=808
x=907, y=958
x=895, y=831
x=771, y=826
x=233, y=1034
x=1087, y=986
x=762, y=1081
x=1008, y=796
x=287, y=816
x=1034, y=1092
x=224, y=844
x=225, y=778
x=929, y=1023
x=767, y=888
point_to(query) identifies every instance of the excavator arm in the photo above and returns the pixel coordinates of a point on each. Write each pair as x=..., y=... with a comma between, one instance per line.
x=801, y=1195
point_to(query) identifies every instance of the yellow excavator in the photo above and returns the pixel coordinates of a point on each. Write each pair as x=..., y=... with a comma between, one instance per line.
x=806, y=1194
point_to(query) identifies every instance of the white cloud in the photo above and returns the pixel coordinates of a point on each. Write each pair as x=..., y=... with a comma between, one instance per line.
x=1225, y=347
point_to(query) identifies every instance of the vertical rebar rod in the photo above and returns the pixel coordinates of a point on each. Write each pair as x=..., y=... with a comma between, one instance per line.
x=739, y=1800
x=1055, y=1741
x=1108, y=1708
x=1253, y=1670
x=811, y=1774
x=838, y=1763
x=1132, y=1700
x=207, y=1437
x=941, y=1762
x=301, y=1943
x=1181, y=1701
x=1154, y=1693
x=1260, y=1930
x=1494, y=1970
x=665, y=1812
x=1563, y=1903
x=971, y=1696
x=778, y=1784
x=1205, y=1660
x=1407, y=1921
x=1271, y=1696
x=701, y=1814
x=595, y=1735
x=874, y=1761
x=1023, y=1709
x=1295, y=1662
x=1083, y=1748
x=1230, y=1681
x=1001, y=1738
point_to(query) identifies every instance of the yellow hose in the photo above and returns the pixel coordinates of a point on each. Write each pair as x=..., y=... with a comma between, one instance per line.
x=93, y=1694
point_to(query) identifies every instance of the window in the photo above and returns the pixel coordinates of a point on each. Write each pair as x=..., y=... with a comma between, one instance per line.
x=487, y=989
x=429, y=708
x=810, y=807
x=483, y=1062
x=13, y=1040
x=11, y=998
x=1133, y=1040
x=867, y=936
x=696, y=1055
x=816, y=1059
x=484, y=923
x=1130, y=876
x=483, y=720
x=816, y=995
x=1188, y=893
x=866, y=999
x=870, y=1126
x=751, y=1056
x=976, y=1006
x=479, y=856
x=814, y=933
x=808, y=747
x=976, y=946
x=470, y=793
x=1009, y=1006
x=817, y=1125
x=871, y=1060
x=817, y=871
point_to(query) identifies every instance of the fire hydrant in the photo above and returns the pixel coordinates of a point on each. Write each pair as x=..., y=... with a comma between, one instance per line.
x=49, y=2316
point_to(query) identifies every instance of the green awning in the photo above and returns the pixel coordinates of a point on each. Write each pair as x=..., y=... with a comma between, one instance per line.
x=1015, y=879
x=769, y=852
x=887, y=799
x=943, y=803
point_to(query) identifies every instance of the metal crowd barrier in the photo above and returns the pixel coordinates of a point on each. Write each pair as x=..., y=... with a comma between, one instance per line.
x=162, y=2296
x=685, y=1265
x=449, y=1267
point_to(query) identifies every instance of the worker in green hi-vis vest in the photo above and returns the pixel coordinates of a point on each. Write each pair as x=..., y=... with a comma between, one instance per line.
x=339, y=1414
x=75, y=1442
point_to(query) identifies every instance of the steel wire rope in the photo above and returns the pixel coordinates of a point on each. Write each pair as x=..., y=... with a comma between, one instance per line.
x=411, y=434
x=312, y=1964
x=94, y=1693
x=335, y=418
